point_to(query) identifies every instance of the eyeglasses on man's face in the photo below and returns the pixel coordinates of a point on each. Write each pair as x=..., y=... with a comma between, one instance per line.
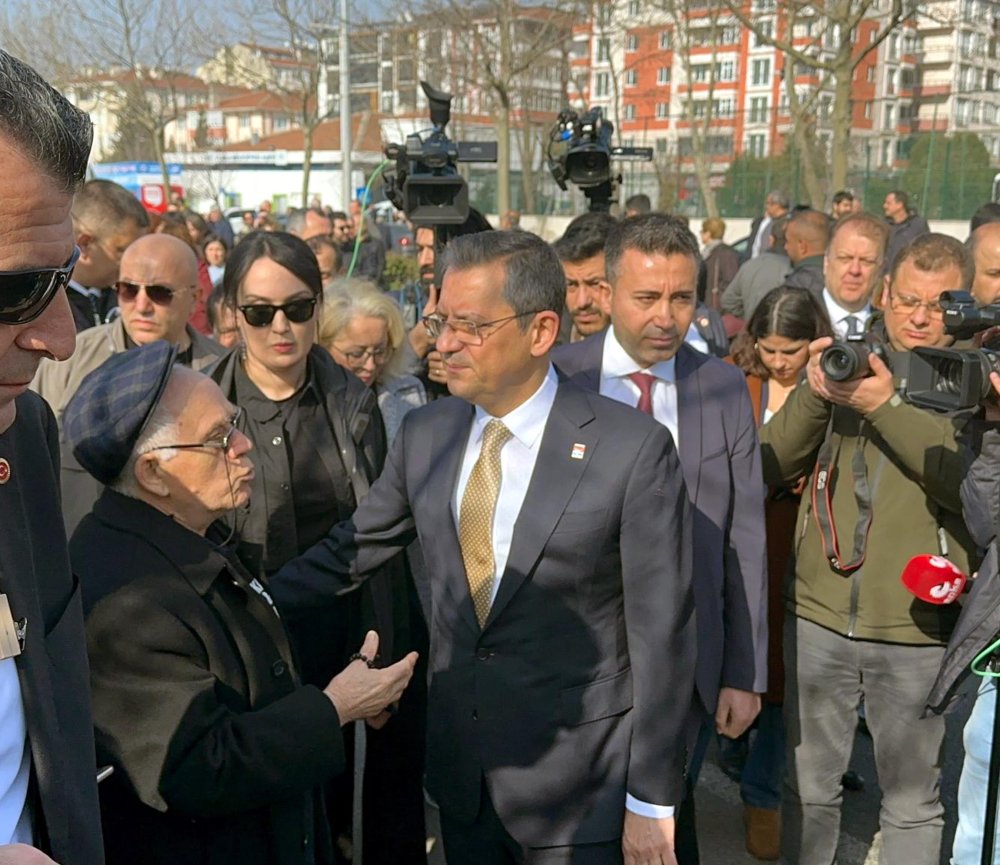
x=908, y=304
x=25, y=294
x=469, y=332
x=161, y=295
x=220, y=442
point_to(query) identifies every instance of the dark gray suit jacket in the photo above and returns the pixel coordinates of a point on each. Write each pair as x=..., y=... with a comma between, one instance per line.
x=720, y=456
x=55, y=684
x=580, y=681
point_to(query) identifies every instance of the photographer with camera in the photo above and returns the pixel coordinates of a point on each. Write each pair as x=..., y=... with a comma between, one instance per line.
x=884, y=488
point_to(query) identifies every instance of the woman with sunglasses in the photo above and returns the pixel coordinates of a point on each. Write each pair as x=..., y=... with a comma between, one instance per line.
x=318, y=445
x=362, y=328
x=773, y=351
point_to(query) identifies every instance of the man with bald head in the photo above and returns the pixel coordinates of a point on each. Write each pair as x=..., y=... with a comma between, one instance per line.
x=157, y=285
x=806, y=239
x=986, y=258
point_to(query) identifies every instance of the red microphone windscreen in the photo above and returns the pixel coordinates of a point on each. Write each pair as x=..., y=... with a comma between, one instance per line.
x=933, y=579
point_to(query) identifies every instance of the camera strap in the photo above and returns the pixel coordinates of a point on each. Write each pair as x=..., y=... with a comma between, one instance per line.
x=822, y=501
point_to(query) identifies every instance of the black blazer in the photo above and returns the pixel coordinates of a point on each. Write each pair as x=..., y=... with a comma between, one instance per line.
x=576, y=690
x=35, y=575
x=720, y=456
x=216, y=746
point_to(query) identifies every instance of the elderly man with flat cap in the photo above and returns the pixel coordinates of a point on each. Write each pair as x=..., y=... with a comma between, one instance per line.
x=157, y=288
x=219, y=750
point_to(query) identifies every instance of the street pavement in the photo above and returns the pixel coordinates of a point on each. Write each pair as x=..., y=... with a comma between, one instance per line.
x=720, y=821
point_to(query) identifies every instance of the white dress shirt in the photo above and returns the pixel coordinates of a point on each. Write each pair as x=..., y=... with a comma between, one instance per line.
x=15, y=760
x=517, y=463
x=761, y=240
x=617, y=366
x=839, y=315
x=694, y=339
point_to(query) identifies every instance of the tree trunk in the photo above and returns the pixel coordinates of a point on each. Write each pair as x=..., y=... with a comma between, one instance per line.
x=503, y=155
x=157, y=136
x=840, y=141
x=529, y=203
x=307, y=155
x=703, y=174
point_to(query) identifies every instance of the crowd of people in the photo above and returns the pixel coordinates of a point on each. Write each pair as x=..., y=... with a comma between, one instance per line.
x=289, y=556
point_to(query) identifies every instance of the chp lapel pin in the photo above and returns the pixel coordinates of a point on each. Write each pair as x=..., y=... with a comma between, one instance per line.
x=4, y=471
x=578, y=451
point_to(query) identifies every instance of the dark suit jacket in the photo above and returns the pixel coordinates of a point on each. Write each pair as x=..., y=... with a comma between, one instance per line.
x=35, y=575
x=576, y=690
x=720, y=456
x=217, y=748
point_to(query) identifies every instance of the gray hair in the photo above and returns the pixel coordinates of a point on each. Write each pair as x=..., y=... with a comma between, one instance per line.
x=652, y=234
x=160, y=429
x=779, y=197
x=43, y=125
x=297, y=218
x=354, y=298
x=534, y=279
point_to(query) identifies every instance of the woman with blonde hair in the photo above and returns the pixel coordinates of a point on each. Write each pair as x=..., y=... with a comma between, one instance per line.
x=362, y=328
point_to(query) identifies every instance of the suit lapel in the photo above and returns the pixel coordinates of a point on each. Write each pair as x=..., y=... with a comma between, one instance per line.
x=555, y=478
x=689, y=424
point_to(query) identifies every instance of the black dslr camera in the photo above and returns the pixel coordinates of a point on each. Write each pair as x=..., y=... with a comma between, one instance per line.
x=425, y=183
x=580, y=151
x=847, y=360
x=953, y=379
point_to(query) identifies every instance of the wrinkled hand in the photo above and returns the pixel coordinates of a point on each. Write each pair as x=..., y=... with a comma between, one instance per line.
x=864, y=395
x=435, y=368
x=22, y=854
x=360, y=692
x=648, y=840
x=735, y=711
x=420, y=339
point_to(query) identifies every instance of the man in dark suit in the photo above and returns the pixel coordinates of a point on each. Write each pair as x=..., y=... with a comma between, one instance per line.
x=48, y=788
x=556, y=529
x=643, y=361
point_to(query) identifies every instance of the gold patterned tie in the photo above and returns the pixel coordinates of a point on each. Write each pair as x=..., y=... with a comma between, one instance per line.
x=475, y=519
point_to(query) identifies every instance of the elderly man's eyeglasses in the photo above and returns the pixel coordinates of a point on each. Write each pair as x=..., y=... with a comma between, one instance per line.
x=909, y=305
x=161, y=295
x=221, y=443
x=262, y=314
x=25, y=294
x=468, y=332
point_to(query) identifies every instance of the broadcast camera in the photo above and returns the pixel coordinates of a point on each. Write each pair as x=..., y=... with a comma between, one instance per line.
x=953, y=379
x=580, y=151
x=847, y=360
x=425, y=183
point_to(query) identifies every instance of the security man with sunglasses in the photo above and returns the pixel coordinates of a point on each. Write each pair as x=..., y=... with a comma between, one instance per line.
x=156, y=289
x=48, y=790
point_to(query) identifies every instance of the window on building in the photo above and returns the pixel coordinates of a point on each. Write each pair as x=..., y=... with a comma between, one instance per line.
x=889, y=118
x=726, y=70
x=386, y=103
x=891, y=78
x=868, y=111
x=666, y=41
x=244, y=121
x=663, y=75
x=755, y=146
x=631, y=42
x=893, y=51
x=764, y=28
x=699, y=74
x=730, y=35
x=629, y=112
x=758, y=109
x=725, y=107
x=631, y=78
x=760, y=72
x=662, y=110
x=603, y=49
x=634, y=8
x=602, y=84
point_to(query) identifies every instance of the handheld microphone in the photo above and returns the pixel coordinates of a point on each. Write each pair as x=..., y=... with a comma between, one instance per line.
x=933, y=579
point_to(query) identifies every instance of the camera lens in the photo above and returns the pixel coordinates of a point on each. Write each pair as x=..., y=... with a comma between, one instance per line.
x=839, y=363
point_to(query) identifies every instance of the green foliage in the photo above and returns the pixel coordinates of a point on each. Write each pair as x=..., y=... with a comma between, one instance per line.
x=400, y=270
x=133, y=141
x=948, y=176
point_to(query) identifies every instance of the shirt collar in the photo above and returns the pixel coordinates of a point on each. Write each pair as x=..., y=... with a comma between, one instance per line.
x=617, y=363
x=82, y=289
x=528, y=420
x=838, y=313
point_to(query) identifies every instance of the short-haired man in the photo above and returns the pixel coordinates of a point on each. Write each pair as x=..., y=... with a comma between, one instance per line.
x=776, y=205
x=48, y=790
x=581, y=251
x=985, y=247
x=342, y=232
x=219, y=749
x=106, y=219
x=157, y=289
x=884, y=488
x=642, y=360
x=219, y=226
x=637, y=204
x=309, y=222
x=328, y=256
x=806, y=238
x=843, y=204
x=757, y=276
x=222, y=318
x=852, y=269
x=905, y=224
x=557, y=526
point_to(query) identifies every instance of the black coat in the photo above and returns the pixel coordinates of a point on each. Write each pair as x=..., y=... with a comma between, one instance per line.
x=52, y=670
x=218, y=749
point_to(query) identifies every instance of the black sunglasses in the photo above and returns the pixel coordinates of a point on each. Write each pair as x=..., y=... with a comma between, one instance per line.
x=262, y=314
x=25, y=294
x=161, y=295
